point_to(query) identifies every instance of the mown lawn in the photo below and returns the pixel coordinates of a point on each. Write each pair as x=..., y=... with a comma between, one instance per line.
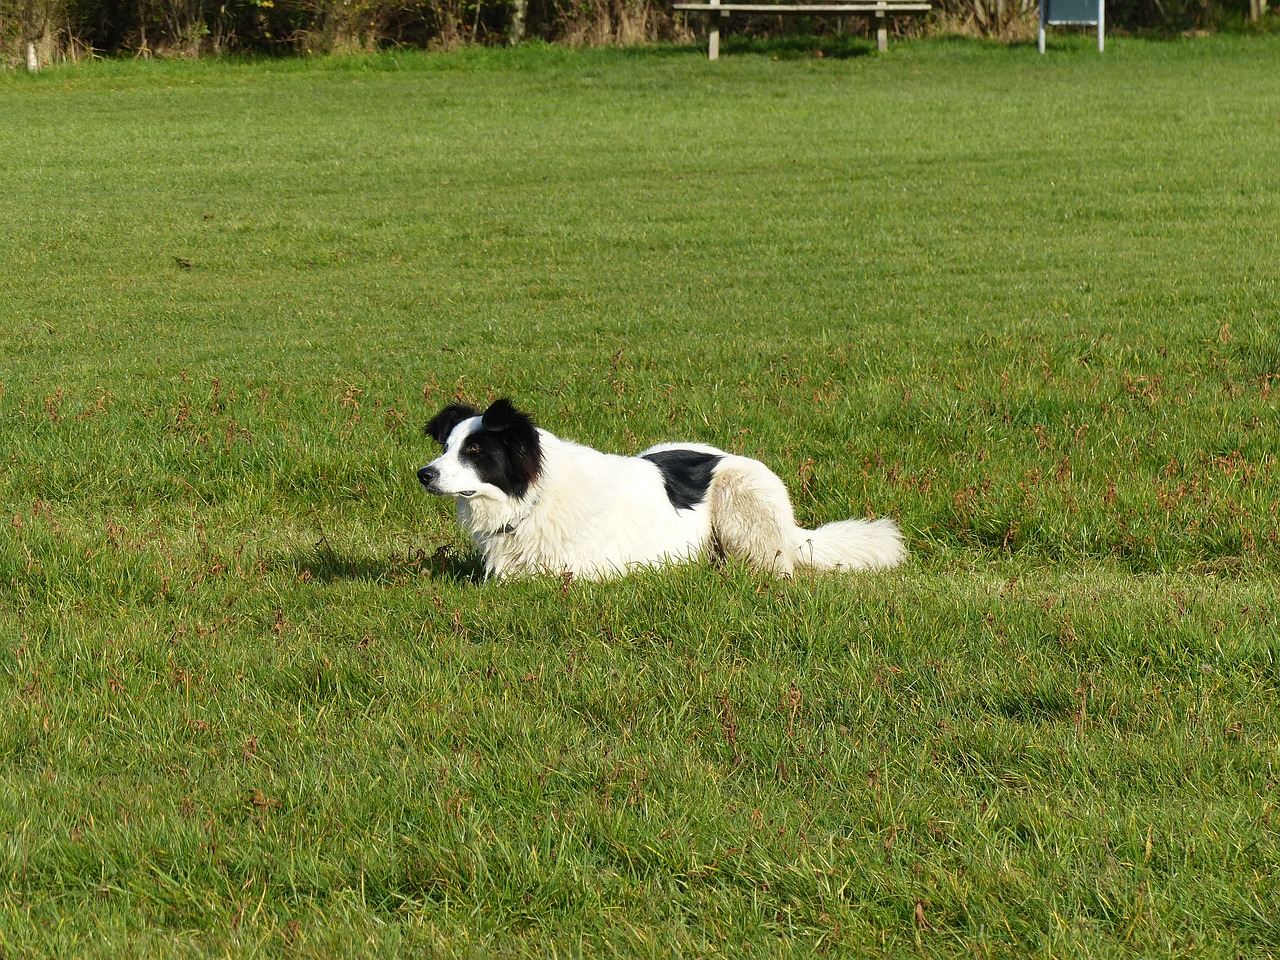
x=254, y=698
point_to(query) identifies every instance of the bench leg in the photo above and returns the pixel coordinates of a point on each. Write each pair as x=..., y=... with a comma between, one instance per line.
x=882, y=32
x=713, y=38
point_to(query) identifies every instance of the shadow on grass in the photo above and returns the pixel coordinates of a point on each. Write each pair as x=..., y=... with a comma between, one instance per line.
x=798, y=46
x=1036, y=707
x=325, y=564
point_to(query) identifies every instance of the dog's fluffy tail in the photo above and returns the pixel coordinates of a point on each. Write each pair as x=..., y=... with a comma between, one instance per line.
x=851, y=545
x=751, y=518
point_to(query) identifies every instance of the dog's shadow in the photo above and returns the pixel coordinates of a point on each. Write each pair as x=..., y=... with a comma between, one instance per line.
x=325, y=564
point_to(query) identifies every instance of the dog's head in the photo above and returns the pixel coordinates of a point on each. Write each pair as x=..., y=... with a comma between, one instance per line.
x=495, y=454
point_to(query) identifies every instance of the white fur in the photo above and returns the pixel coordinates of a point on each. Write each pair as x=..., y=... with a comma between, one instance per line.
x=593, y=514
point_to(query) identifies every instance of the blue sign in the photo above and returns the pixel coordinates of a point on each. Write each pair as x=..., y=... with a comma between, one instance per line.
x=1081, y=12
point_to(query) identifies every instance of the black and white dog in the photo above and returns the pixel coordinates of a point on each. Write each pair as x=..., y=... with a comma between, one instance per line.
x=534, y=503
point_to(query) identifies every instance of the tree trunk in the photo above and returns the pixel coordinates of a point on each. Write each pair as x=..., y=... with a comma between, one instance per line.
x=515, y=28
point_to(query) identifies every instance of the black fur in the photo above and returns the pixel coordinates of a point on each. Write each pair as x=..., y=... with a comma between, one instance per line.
x=505, y=451
x=686, y=475
x=442, y=424
x=502, y=416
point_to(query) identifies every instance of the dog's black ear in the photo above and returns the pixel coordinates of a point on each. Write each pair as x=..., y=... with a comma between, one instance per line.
x=442, y=423
x=520, y=435
x=501, y=415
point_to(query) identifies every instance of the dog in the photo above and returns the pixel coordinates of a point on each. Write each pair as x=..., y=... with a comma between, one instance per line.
x=534, y=503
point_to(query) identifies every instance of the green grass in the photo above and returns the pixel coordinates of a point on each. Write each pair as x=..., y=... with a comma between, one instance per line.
x=254, y=699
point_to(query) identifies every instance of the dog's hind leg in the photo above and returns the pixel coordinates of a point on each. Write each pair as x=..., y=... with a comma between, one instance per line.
x=751, y=515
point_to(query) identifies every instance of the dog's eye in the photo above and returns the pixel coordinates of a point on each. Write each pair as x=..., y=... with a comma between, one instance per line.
x=473, y=448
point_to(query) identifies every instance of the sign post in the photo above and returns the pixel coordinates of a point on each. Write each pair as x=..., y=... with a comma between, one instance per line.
x=1082, y=12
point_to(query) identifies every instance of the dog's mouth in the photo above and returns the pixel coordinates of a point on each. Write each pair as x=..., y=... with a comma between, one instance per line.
x=429, y=477
x=464, y=494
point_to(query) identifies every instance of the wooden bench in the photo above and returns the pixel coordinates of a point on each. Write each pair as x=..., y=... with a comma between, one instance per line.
x=875, y=9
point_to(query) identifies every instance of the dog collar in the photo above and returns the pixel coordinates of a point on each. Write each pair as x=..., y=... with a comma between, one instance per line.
x=510, y=526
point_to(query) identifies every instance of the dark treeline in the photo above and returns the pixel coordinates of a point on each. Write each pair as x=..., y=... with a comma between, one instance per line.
x=72, y=29
x=38, y=32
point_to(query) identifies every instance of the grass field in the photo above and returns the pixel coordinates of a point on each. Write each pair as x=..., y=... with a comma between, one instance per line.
x=254, y=699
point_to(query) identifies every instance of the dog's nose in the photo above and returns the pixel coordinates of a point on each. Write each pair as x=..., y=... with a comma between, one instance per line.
x=427, y=476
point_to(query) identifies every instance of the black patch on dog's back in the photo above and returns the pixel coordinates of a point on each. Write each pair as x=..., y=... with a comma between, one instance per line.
x=686, y=474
